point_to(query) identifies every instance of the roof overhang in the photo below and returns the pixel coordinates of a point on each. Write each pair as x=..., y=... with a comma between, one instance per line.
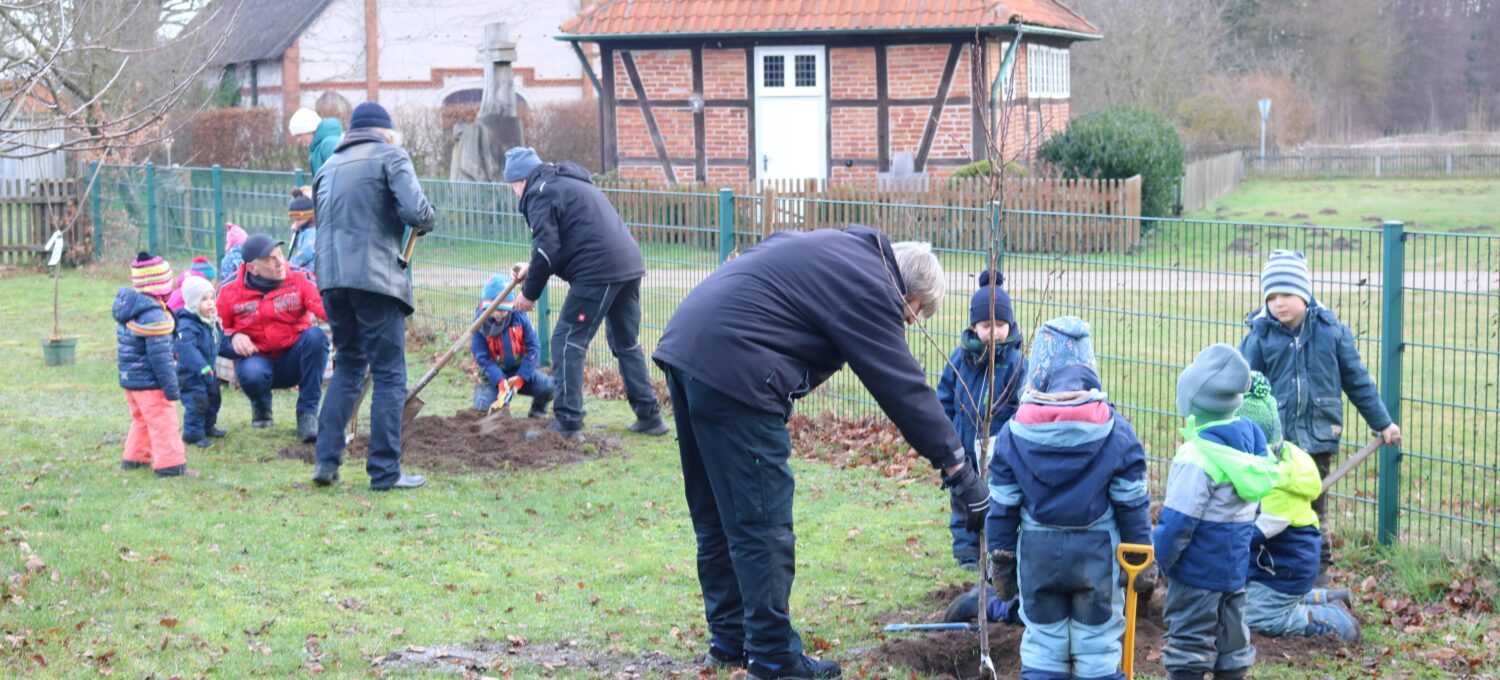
x=1029, y=29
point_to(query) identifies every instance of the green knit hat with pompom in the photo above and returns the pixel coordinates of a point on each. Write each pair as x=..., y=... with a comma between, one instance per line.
x=1260, y=408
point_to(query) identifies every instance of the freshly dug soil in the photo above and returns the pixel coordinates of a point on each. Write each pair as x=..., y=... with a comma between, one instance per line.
x=454, y=444
x=501, y=658
x=955, y=654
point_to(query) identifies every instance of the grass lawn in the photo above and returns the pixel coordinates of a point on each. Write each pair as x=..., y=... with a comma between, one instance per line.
x=248, y=571
x=1464, y=205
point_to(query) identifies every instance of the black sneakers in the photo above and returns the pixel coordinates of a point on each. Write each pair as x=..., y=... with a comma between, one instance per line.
x=802, y=666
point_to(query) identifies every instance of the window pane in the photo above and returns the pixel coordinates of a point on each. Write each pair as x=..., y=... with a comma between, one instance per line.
x=774, y=70
x=807, y=70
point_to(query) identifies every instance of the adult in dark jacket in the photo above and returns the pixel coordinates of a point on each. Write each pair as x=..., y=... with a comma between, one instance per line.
x=760, y=332
x=577, y=235
x=268, y=312
x=366, y=195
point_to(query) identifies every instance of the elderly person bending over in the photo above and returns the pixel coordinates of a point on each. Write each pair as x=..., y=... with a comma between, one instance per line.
x=762, y=331
x=268, y=311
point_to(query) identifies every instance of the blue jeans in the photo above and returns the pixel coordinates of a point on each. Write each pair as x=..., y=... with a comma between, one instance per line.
x=617, y=307
x=739, y=492
x=540, y=388
x=300, y=366
x=369, y=331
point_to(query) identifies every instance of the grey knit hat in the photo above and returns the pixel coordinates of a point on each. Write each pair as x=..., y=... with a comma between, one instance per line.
x=1214, y=385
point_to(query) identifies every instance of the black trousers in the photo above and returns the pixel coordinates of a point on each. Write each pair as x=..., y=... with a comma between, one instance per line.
x=616, y=307
x=739, y=492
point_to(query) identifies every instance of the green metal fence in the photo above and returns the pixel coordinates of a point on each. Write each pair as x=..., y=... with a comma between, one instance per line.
x=1424, y=306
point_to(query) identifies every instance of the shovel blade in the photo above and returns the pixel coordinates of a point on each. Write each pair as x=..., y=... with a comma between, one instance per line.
x=409, y=413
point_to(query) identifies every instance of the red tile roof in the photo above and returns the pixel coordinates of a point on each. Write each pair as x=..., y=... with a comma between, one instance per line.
x=696, y=17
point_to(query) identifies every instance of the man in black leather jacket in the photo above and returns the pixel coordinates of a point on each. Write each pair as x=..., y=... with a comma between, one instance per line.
x=366, y=196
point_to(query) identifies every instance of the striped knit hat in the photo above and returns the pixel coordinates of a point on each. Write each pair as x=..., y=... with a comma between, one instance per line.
x=1286, y=272
x=151, y=275
x=301, y=207
x=204, y=268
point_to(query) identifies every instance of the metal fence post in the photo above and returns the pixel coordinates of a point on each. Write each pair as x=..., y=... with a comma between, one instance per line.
x=726, y=224
x=544, y=327
x=297, y=178
x=151, y=208
x=1388, y=504
x=221, y=238
x=94, y=213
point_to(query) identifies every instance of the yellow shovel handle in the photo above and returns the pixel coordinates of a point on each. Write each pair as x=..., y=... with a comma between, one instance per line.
x=1127, y=657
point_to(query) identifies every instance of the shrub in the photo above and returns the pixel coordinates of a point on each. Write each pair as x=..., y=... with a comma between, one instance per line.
x=232, y=138
x=982, y=169
x=1118, y=143
x=564, y=131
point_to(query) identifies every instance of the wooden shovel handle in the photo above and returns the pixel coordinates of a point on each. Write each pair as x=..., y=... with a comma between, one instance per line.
x=1353, y=462
x=459, y=341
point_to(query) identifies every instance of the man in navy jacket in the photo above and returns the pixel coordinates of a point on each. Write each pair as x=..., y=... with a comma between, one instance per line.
x=762, y=331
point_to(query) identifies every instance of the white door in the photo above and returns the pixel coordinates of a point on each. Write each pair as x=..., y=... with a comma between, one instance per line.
x=790, y=113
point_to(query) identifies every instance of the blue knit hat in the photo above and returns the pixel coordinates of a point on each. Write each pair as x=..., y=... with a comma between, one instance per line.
x=370, y=115
x=1214, y=385
x=1286, y=272
x=494, y=287
x=979, y=303
x=1060, y=342
x=520, y=162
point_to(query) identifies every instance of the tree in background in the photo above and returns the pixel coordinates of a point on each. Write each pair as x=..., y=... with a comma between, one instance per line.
x=104, y=74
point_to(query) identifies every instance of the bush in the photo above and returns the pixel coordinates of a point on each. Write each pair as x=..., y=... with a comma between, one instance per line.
x=1224, y=113
x=564, y=131
x=232, y=138
x=1118, y=143
x=982, y=169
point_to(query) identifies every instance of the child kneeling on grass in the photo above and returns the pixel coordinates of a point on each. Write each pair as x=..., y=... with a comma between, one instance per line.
x=1202, y=536
x=1280, y=598
x=1067, y=486
x=965, y=389
x=148, y=371
x=198, y=338
x=507, y=351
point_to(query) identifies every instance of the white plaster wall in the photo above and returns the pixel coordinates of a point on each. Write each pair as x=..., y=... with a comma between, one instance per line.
x=416, y=37
x=333, y=46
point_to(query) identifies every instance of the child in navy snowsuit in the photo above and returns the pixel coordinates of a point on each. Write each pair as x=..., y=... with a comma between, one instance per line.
x=507, y=351
x=965, y=388
x=198, y=337
x=1310, y=359
x=1067, y=485
x=1280, y=599
x=1202, y=537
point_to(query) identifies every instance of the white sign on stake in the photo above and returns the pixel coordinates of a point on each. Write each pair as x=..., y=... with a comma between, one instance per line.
x=55, y=244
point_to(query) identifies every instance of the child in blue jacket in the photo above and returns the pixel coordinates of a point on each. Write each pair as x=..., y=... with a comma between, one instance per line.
x=965, y=388
x=1309, y=357
x=507, y=351
x=1202, y=537
x=198, y=337
x=1067, y=486
x=1280, y=598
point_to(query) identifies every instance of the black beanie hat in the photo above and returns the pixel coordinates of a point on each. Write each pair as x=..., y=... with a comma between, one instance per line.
x=979, y=304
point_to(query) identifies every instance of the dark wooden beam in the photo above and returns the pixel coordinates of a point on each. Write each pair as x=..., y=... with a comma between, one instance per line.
x=640, y=94
x=978, y=95
x=827, y=115
x=882, y=112
x=712, y=162
x=700, y=152
x=856, y=163
x=937, y=107
x=609, y=148
x=750, y=111
x=920, y=101
x=685, y=103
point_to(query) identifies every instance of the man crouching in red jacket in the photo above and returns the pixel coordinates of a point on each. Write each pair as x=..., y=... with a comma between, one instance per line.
x=267, y=313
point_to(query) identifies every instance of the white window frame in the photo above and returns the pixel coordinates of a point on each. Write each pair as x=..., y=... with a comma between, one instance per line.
x=789, y=86
x=1048, y=72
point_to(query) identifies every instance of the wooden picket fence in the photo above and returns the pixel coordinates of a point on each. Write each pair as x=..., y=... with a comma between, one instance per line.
x=1205, y=180
x=1085, y=215
x=30, y=210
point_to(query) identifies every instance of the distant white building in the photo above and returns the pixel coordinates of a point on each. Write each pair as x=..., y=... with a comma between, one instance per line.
x=286, y=54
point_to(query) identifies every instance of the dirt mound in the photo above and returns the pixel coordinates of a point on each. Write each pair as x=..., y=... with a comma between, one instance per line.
x=955, y=654
x=454, y=444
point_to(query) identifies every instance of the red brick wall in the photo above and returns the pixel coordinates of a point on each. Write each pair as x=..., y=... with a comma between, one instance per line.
x=854, y=133
x=722, y=175
x=853, y=73
x=725, y=131
x=724, y=74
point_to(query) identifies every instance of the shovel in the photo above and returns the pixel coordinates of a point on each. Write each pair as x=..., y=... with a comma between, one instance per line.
x=1350, y=464
x=499, y=413
x=1146, y=554
x=414, y=404
x=927, y=627
x=408, y=247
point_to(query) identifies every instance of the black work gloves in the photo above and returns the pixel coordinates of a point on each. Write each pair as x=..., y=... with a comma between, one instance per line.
x=970, y=496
